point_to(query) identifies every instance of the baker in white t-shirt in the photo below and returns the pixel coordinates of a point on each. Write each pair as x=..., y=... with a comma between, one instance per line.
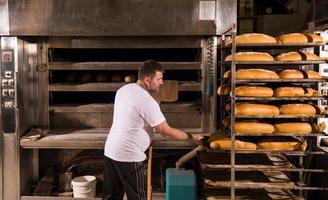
x=135, y=110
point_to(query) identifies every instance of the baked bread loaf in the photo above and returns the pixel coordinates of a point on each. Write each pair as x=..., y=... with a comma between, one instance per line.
x=251, y=38
x=311, y=92
x=129, y=78
x=297, y=56
x=253, y=74
x=293, y=127
x=224, y=89
x=292, y=38
x=249, y=127
x=285, y=144
x=311, y=56
x=291, y=74
x=313, y=74
x=254, y=91
x=289, y=92
x=314, y=38
x=224, y=143
x=295, y=92
x=250, y=56
x=249, y=109
x=297, y=109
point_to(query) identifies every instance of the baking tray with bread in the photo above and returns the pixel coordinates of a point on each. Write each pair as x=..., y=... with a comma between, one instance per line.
x=219, y=143
x=290, y=41
x=258, y=40
x=268, y=105
x=261, y=75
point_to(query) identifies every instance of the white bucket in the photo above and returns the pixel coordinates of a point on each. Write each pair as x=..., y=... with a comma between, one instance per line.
x=84, y=186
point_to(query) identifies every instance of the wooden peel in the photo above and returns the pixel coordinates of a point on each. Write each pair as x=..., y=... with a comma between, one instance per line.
x=150, y=154
x=168, y=92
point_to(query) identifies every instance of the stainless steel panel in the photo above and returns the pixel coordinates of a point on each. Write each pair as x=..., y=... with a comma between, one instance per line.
x=114, y=17
x=226, y=15
x=4, y=17
x=1, y=163
x=126, y=42
x=11, y=167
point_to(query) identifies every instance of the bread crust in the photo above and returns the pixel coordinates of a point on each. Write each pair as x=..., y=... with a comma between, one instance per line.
x=252, y=38
x=253, y=127
x=293, y=127
x=250, y=56
x=248, y=109
x=292, y=38
x=254, y=91
x=297, y=109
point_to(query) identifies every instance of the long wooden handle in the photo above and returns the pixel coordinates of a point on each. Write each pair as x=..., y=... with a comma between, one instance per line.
x=150, y=155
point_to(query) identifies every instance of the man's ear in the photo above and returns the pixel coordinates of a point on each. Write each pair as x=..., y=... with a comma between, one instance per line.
x=147, y=79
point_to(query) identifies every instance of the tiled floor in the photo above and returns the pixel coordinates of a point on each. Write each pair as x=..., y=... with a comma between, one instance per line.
x=155, y=196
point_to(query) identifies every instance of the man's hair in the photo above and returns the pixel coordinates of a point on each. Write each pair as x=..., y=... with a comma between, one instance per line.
x=149, y=68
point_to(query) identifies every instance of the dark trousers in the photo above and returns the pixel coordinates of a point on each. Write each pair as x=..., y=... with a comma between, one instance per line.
x=120, y=177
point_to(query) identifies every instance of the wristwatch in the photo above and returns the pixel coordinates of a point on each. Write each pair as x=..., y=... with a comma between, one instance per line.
x=190, y=137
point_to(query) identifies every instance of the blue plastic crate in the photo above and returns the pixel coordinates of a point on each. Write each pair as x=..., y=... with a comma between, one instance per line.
x=180, y=184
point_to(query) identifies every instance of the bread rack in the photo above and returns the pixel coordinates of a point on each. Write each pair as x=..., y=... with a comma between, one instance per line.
x=297, y=163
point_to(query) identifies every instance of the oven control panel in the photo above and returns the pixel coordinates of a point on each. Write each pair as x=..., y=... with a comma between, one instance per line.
x=8, y=85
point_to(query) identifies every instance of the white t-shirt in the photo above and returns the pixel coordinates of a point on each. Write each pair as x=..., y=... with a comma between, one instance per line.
x=134, y=111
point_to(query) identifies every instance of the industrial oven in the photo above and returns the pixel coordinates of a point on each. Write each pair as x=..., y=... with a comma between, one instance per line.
x=62, y=61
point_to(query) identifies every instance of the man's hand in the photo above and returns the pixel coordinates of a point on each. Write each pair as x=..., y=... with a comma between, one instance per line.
x=197, y=139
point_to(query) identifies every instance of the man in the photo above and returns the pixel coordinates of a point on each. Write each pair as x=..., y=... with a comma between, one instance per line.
x=135, y=110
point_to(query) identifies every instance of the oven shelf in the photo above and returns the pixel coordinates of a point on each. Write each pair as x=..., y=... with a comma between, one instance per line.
x=95, y=139
x=260, y=151
x=69, y=87
x=263, y=185
x=266, y=168
x=54, y=198
x=165, y=107
x=120, y=65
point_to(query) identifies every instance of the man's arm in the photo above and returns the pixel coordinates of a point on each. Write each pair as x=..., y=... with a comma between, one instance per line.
x=167, y=131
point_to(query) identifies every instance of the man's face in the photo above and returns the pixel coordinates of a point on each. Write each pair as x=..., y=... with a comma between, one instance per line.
x=153, y=84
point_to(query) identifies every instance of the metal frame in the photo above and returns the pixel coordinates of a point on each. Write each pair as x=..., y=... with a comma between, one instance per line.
x=301, y=155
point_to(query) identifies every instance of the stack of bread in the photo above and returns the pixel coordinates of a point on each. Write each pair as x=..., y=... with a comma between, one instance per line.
x=291, y=38
x=277, y=110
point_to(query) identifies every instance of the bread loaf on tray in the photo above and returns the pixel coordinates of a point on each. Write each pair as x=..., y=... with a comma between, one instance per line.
x=293, y=127
x=295, y=92
x=292, y=38
x=298, y=109
x=297, y=56
x=250, y=56
x=253, y=74
x=299, y=74
x=291, y=74
x=289, y=92
x=224, y=143
x=312, y=74
x=251, y=38
x=249, y=109
x=253, y=127
x=314, y=38
x=254, y=91
x=285, y=144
